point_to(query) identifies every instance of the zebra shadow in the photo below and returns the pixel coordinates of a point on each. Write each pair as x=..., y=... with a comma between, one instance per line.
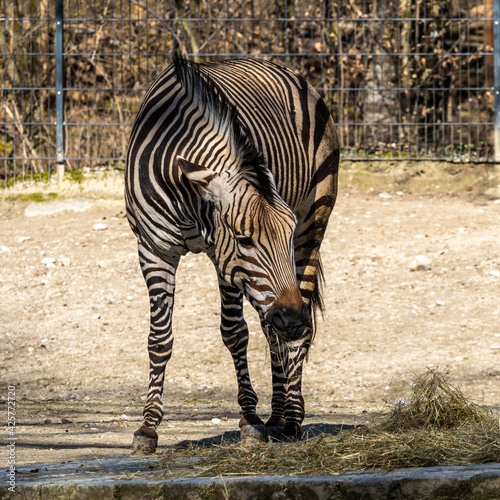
x=310, y=431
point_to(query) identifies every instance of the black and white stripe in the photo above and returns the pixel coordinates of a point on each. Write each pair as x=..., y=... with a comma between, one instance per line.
x=238, y=159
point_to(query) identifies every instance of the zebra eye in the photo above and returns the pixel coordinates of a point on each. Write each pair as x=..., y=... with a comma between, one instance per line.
x=244, y=241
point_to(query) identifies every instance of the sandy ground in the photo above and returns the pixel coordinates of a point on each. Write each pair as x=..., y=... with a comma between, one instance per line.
x=74, y=331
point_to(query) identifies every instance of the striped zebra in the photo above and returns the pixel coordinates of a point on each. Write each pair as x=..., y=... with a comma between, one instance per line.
x=237, y=159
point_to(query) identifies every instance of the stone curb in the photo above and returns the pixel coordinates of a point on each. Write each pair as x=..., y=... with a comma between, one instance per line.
x=120, y=479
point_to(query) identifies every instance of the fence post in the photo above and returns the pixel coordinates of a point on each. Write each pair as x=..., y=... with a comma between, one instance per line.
x=59, y=92
x=496, y=64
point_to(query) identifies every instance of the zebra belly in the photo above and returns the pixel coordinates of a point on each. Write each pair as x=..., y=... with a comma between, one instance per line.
x=196, y=245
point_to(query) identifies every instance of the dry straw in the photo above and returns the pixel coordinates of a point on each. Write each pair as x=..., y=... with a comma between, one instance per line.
x=436, y=426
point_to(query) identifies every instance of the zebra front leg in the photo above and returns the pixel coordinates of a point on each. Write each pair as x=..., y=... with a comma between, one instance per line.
x=160, y=279
x=287, y=379
x=279, y=361
x=234, y=332
x=287, y=403
x=294, y=404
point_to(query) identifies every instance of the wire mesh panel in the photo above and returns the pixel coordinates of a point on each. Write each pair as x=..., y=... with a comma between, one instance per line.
x=27, y=112
x=403, y=78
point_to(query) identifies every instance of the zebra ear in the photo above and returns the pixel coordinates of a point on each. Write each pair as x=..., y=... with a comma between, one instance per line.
x=209, y=181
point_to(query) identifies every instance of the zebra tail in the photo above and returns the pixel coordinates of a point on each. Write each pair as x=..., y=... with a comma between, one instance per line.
x=317, y=304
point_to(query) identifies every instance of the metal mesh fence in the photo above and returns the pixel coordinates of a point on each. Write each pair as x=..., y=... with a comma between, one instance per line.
x=404, y=79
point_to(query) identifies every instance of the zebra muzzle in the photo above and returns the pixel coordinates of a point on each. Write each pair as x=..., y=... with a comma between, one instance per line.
x=288, y=323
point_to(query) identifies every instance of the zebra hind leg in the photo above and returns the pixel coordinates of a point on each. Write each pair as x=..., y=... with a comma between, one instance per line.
x=160, y=278
x=234, y=332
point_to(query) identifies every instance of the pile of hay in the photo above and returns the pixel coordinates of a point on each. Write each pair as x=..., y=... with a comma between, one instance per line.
x=434, y=404
x=437, y=426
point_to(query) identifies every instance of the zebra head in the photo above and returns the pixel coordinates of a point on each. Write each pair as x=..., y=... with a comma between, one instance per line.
x=253, y=242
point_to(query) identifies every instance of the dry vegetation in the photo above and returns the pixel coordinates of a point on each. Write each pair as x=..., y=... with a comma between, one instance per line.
x=437, y=426
x=113, y=50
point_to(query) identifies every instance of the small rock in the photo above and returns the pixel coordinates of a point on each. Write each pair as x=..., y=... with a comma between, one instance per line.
x=5, y=249
x=202, y=387
x=385, y=196
x=493, y=192
x=21, y=239
x=495, y=273
x=48, y=260
x=100, y=226
x=103, y=264
x=96, y=316
x=216, y=421
x=420, y=263
x=66, y=421
x=65, y=261
x=47, y=421
x=400, y=401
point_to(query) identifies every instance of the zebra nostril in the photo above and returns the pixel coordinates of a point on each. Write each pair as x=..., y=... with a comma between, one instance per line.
x=278, y=320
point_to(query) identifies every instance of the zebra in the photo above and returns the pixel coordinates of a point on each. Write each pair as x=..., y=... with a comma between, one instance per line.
x=237, y=159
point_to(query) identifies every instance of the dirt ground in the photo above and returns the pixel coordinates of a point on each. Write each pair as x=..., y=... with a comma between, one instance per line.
x=74, y=330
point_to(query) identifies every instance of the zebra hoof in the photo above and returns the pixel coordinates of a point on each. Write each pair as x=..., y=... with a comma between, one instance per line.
x=274, y=433
x=252, y=434
x=145, y=441
x=292, y=432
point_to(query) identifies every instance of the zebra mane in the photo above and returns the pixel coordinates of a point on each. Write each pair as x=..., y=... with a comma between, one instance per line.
x=223, y=117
